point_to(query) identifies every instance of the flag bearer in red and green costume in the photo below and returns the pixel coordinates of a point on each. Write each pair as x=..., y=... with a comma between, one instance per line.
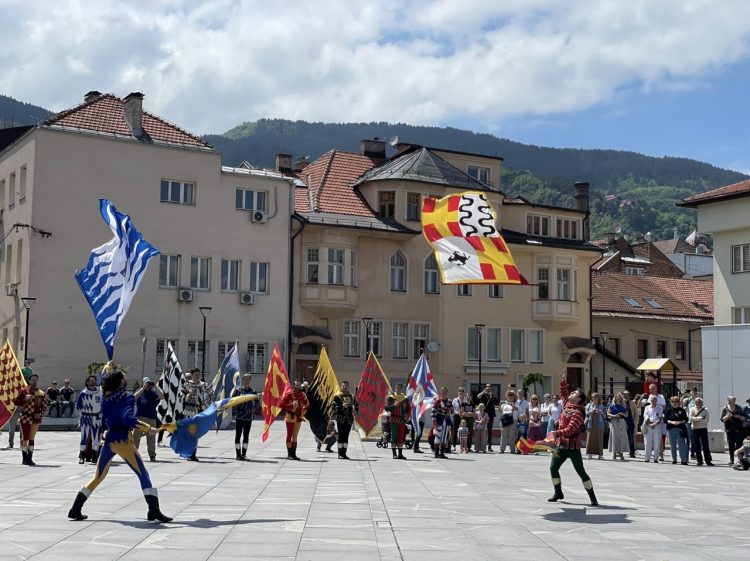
x=567, y=437
x=398, y=407
x=295, y=403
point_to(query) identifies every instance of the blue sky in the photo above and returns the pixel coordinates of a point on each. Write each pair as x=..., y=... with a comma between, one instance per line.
x=661, y=78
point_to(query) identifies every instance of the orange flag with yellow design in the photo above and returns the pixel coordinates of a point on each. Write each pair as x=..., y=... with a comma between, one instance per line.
x=277, y=381
x=11, y=382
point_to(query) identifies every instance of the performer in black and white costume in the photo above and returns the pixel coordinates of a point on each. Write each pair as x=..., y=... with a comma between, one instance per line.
x=243, y=417
x=344, y=406
x=89, y=406
x=196, y=396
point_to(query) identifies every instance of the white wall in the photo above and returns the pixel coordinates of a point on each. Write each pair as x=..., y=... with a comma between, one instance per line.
x=726, y=367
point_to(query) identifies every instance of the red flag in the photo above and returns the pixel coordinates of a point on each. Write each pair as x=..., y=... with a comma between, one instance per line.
x=372, y=392
x=277, y=381
x=11, y=382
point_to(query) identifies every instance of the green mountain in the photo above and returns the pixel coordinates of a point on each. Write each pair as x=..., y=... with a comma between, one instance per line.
x=631, y=193
x=15, y=113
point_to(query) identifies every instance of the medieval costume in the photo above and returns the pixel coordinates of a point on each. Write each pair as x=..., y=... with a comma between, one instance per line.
x=243, y=420
x=295, y=403
x=118, y=417
x=196, y=396
x=440, y=426
x=89, y=407
x=398, y=407
x=344, y=406
x=33, y=404
x=567, y=437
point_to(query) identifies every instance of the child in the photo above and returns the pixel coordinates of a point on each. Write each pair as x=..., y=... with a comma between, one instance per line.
x=463, y=437
x=330, y=438
x=523, y=428
x=536, y=432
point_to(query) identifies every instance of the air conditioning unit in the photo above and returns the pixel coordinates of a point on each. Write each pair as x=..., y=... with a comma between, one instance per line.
x=247, y=298
x=11, y=289
x=185, y=295
x=260, y=216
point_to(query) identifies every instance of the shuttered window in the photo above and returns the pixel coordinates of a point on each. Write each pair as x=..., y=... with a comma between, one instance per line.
x=741, y=258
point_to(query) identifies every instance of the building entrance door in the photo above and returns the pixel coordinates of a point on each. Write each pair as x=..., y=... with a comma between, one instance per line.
x=304, y=370
x=575, y=377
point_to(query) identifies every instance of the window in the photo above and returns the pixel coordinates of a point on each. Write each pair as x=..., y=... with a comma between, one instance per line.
x=536, y=345
x=494, y=340
x=353, y=276
x=653, y=303
x=400, y=334
x=313, y=255
x=632, y=302
x=161, y=348
x=230, y=274
x=542, y=281
x=200, y=272
x=398, y=272
x=2, y=197
x=567, y=228
x=258, y=276
x=387, y=204
x=496, y=291
x=613, y=344
x=463, y=290
x=640, y=271
x=245, y=199
x=479, y=173
x=517, y=345
x=223, y=349
x=12, y=191
x=679, y=350
x=739, y=315
x=169, y=267
x=413, y=203
x=376, y=336
x=563, y=285
x=741, y=258
x=537, y=225
x=195, y=355
x=22, y=186
x=421, y=336
x=431, y=275
x=180, y=192
x=256, y=358
x=472, y=343
x=351, y=338
x=642, y=348
x=335, y=266
x=661, y=349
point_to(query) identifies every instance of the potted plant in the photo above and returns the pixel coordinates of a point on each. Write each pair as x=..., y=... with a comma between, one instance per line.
x=535, y=381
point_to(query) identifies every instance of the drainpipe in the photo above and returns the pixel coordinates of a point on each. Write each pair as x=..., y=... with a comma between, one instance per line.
x=291, y=292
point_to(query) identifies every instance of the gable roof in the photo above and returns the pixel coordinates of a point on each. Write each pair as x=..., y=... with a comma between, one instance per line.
x=734, y=191
x=105, y=114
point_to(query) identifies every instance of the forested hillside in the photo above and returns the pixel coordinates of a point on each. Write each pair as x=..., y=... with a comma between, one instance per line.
x=15, y=113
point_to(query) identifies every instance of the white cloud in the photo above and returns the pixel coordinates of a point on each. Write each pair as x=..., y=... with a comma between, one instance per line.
x=209, y=65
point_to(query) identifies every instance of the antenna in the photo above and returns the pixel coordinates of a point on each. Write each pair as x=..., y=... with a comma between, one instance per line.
x=393, y=140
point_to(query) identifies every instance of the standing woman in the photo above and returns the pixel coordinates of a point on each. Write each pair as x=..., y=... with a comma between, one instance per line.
x=555, y=408
x=481, y=420
x=595, y=427
x=509, y=420
x=618, y=417
x=677, y=420
x=544, y=409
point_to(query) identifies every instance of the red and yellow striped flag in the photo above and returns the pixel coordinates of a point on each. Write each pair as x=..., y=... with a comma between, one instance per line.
x=11, y=382
x=372, y=392
x=277, y=381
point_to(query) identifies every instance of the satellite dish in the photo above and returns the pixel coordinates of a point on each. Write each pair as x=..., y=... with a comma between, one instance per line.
x=393, y=140
x=648, y=236
x=433, y=346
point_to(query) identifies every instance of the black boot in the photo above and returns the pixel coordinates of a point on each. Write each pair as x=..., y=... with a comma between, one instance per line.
x=94, y=456
x=394, y=453
x=289, y=453
x=244, y=453
x=294, y=452
x=437, y=452
x=81, y=456
x=558, y=494
x=25, y=456
x=238, y=454
x=592, y=497
x=193, y=457
x=153, y=509
x=75, y=511
x=343, y=454
x=29, y=460
x=401, y=454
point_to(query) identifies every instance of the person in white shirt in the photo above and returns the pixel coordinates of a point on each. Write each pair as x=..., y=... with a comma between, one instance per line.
x=522, y=404
x=555, y=408
x=661, y=402
x=652, y=425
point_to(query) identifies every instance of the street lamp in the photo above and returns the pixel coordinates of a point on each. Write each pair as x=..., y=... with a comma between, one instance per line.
x=603, y=335
x=205, y=310
x=27, y=303
x=367, y=322
x=479, y=327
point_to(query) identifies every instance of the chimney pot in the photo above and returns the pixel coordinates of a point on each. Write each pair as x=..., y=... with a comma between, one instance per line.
x=374, y=148
x=88, y=96
x=133, y=112
x=284, y=163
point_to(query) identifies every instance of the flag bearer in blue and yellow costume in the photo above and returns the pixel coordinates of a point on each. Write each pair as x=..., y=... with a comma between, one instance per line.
x=398, y=407
x=118, y=417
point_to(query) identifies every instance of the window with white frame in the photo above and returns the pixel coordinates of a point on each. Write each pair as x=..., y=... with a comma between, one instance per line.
x=195, y=354
x=496, y=291
x=353, y=274
x=538, y=224
x=398, y=272
x=387, y=204
x=335, y=266
x=258, y=276
x=421, y=336
x=463, y=290
x=479, y=173
x=161, y=349
x=542, y=283
x=563, y=284
x=313, y=265
x=230, y=275
x=247, y=199
x=174, y=191
x=431, y=275
x=741, y=258
x=223, y=349
x=400, y=337
x=567, y=228
x=256, y=358
x=351, y=338
x=517, y=345
x=169, y=269
x=536, y=345
x=413, y=204
x=741, y=315
x=200, y=273
x=494, y=344
x=376, y=338
x=472, y=343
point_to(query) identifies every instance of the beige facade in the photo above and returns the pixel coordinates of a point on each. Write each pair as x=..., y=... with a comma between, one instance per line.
x=65, y=173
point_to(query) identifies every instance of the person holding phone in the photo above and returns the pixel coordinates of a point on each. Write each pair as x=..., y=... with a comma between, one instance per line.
x=617, y=413
x=147, y=397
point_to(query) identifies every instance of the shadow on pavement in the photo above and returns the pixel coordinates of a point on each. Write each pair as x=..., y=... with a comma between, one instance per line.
x=200, y=523
x=583, y=515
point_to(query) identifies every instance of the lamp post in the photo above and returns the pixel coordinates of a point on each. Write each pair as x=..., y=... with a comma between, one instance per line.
x=205, y=310
x=28, y=301
x=479, y=327
x=603, y=335
x=367, y=322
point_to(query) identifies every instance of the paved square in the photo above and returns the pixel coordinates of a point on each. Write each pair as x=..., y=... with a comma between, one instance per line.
x=477, y=506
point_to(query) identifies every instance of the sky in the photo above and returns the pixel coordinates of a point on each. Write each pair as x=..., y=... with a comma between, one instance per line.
x=666, y=77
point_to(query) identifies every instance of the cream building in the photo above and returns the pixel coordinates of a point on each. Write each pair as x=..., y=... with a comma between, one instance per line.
x=364, y=277
x=223, y=234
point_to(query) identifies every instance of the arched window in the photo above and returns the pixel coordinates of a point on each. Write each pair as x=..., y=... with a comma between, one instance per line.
x=431, y=275
x=398, y=272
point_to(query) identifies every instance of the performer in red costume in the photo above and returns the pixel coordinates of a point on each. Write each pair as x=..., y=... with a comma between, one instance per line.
x=567, y=437
x=399, y=408
x=33, y=404
x=295, y=403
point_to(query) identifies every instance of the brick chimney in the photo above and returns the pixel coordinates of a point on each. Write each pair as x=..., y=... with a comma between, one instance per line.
x=284, y=163
x=582, y=204
x=88, y=96
x=300, y=164
x=374, y=148
x=134, y=113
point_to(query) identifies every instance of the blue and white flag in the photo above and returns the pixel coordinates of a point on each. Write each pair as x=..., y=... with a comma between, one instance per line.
x=113, y=273
x=421, y=391
x=226, y=379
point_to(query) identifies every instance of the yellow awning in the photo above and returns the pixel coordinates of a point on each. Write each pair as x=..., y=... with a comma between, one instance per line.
x=658, y=364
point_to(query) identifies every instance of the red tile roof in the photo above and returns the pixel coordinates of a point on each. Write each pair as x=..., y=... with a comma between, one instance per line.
x=735, y=190
x=105, y=114
x=684, y=298
x=330, y=179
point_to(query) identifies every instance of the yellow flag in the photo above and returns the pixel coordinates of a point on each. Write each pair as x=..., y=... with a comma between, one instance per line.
x=323, y=389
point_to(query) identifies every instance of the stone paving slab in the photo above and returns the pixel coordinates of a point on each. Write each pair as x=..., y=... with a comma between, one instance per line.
x=484, y=506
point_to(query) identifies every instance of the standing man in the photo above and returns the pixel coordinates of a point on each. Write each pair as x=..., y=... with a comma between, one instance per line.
x=13, y=421
x=67, y=394
x=344, y=407
x=653, y=420
x=89, y=406
x=661, y=402
x=147, y=397
x=456, y=411
x=733, y=417
x=243, y=417
x=398, y=407
x=522, y=404
x=698, y=416
x=688, y=402
x=53, y=397
x=33, y=404
x=490, y=403
x=295, y=403
x=630, y=420
x=195, y=398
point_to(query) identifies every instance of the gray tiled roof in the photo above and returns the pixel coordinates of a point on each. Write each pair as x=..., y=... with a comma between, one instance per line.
x=347, y=220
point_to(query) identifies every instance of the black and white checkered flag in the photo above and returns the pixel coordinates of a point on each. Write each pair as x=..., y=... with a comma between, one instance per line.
x=170, y=408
